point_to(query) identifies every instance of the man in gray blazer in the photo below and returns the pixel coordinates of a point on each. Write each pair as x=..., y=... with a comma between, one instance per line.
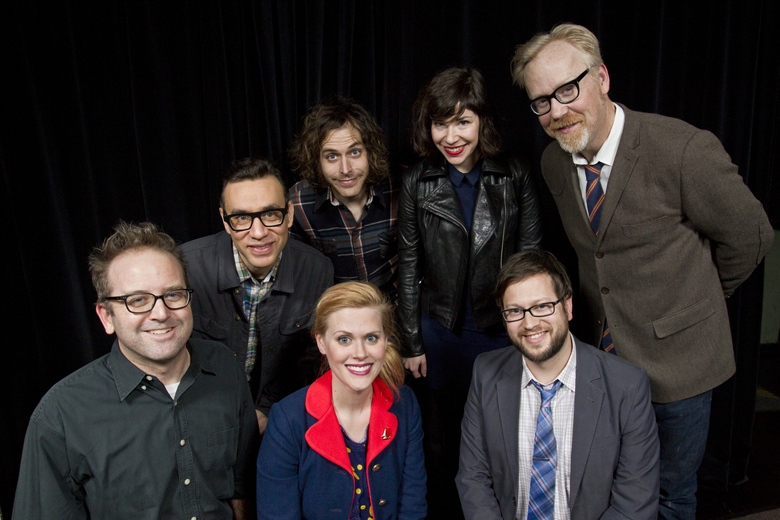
x=603, y=460
x=664, y=228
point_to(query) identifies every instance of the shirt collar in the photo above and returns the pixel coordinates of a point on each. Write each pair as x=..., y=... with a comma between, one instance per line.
x=608, y=151
x=243, y=272
x=567, y=376
x=457, y=177
x=326, y=195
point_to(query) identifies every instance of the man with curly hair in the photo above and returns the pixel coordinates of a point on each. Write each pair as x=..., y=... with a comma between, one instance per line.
x=346, y=203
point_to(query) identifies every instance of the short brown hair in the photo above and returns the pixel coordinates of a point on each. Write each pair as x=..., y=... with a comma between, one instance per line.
x=126, y=237
x=529, y=263
x=327, y=117
x=449, y=94
x=250, y=169
x=359, y=295
x=576, y=35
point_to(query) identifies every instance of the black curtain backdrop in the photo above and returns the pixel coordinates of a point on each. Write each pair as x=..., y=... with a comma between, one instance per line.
x=132, y=109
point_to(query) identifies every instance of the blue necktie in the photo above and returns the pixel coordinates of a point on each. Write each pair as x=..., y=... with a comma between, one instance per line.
x=594, y=194
x=541, y=493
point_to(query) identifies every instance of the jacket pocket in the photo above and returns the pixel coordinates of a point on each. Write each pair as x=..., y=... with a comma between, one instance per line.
x=645, y=228
x=210, y=328
x=295, y=324
x=683, y=319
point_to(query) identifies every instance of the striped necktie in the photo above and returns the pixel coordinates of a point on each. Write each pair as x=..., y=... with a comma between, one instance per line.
x=541, y=492
x=594, y=195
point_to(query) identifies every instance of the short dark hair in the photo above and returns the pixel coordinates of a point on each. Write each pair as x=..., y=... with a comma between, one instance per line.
x=126, y=237
x=449, y=94
x=327, y=117
x=250, y=169
x=529, y=263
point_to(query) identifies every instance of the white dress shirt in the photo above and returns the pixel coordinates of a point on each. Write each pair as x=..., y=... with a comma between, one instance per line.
x=606, y=155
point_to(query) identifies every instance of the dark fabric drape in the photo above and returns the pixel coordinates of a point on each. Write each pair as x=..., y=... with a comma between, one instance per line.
x=132, y=109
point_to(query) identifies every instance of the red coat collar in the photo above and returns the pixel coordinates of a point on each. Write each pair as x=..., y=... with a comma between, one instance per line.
x=325, y=435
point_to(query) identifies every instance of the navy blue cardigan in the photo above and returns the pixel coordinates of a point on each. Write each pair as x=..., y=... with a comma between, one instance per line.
x=303, y=469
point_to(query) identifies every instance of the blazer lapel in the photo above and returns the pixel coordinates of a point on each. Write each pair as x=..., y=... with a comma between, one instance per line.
x=508, y=392
x=588, y=398
x=625, y=160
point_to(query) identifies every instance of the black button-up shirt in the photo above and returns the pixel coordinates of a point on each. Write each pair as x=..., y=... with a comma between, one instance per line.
x=108, y=441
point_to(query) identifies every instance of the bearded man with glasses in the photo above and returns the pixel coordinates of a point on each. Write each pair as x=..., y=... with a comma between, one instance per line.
x=134, y=434
x=255, y=290
x=664, y=229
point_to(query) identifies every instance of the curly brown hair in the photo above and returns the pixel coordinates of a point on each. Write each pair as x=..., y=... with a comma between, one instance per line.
x=449, y=94
x=327, y=117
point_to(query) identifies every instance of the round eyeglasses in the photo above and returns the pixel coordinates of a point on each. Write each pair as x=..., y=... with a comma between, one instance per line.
x=565, y=94
x=537, y=311
x=140, y=303
x=243, y=221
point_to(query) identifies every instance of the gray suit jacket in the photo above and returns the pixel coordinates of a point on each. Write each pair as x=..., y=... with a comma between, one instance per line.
x=679, y=231
x=614, y=454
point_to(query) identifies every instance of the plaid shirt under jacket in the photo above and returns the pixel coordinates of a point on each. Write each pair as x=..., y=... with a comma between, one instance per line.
x=364, y=251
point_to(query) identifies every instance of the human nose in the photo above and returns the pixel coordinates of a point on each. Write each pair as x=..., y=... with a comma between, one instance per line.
x=360, y=350
x=258, y=229
x=452, y=134
x=345, y=164
x=159, y=311
x=557, y=109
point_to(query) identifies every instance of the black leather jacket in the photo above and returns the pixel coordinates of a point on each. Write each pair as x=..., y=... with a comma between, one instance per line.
x=438, y=256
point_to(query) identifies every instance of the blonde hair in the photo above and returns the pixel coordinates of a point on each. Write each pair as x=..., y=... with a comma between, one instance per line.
x=359, y=295
x=576, y=35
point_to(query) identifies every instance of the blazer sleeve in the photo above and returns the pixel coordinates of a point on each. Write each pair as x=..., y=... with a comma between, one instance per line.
x=410, y=266
x=636, y=481
x=722, y=208
x=278, y=495
x=411, y=503
x=530, y=235
x=474, y=479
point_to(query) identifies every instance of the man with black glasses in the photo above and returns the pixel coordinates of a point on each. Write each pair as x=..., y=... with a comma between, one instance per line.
x=162, y=426
x=664, y=228
x=255, y=290
x=554, y=428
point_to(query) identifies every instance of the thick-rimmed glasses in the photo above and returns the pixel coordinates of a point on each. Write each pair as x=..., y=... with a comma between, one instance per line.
x=243, y=221
x=537, y=311
x=565, y=94
x=140, y=303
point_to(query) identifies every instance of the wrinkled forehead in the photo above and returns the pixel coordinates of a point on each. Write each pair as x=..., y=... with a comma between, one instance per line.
x=556, y=64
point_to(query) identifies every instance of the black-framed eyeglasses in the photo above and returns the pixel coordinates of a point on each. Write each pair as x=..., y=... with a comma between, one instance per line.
x=269, y=217
x=140, y=303
x=537, y=311
x=565, y=94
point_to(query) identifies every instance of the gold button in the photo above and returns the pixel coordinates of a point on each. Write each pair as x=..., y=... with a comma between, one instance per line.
x=358, y=491
x=382, y=502
x=362, y=507
x=360, y=466
x=375, y=468
x=182, y=442
x=186, y=482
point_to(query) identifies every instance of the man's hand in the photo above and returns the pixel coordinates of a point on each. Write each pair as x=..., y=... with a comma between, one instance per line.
x=417, y=366
x=243, y=509
x=262, y=421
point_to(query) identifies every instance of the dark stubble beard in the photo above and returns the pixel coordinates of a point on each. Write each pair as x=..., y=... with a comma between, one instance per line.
x=557, y=341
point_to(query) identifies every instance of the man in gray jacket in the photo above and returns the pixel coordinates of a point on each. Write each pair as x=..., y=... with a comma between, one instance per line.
x=255, y=291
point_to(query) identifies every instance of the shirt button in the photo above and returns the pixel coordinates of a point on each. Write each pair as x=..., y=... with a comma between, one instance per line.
x=143, y=387
x=237, y=290
x=182, y=442
x=599, y=254
x=375, y=468
x=148, y=378
x=604, y=290
x=194, y=518
x=186, y=482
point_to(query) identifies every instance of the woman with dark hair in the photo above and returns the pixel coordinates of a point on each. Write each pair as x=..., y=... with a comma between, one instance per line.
x=463, y=212
x=351, y=442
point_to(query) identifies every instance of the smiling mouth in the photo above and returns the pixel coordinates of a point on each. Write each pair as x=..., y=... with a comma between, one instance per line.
x=454, y=151
x=535, y=336
x=158, y=332
x=359, y=370
x=261, y=249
